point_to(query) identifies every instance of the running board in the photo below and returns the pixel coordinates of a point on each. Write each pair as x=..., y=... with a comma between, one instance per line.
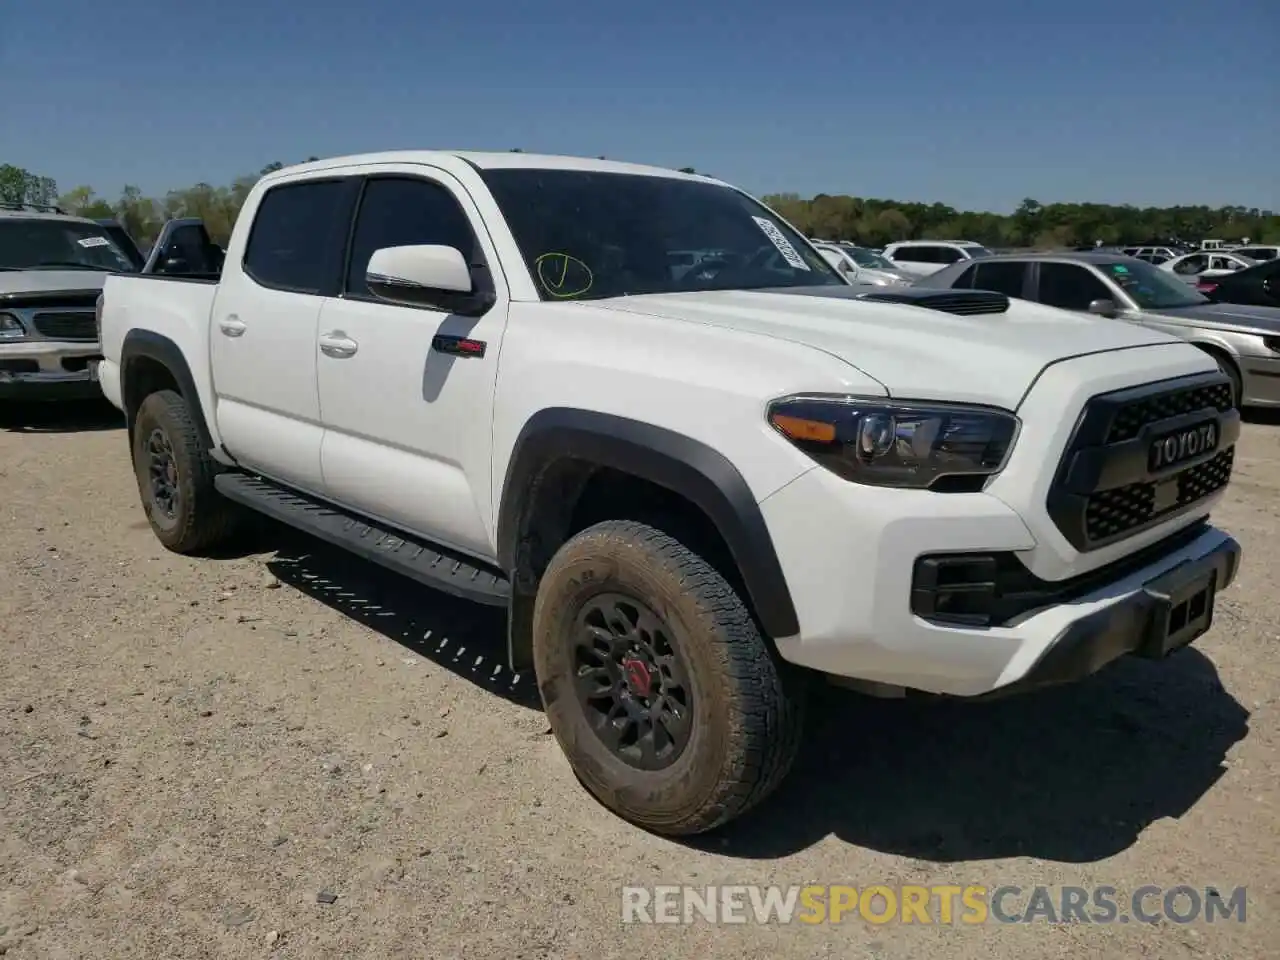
x=406, y=555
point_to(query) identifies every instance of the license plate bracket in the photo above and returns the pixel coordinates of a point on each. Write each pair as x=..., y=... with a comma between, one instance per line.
x=1183, y=602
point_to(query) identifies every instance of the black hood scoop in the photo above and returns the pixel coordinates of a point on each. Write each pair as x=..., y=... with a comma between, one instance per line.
x=964, y=303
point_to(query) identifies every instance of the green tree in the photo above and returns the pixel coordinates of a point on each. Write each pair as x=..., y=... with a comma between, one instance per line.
x=18, y=186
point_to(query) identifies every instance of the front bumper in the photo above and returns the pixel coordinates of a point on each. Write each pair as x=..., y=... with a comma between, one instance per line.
x=48, y=370
x=850, y=564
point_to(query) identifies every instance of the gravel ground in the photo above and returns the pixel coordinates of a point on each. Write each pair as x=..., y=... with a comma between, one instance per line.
x=192, y=751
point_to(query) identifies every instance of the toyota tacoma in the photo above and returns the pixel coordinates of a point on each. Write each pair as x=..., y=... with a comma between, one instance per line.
x=692, y=488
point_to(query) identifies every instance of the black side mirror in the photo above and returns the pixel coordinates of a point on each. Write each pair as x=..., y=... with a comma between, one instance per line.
x=1104, y=308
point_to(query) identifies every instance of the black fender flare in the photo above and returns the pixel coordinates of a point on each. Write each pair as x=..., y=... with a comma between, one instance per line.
x=682, y=465
x=140, y=344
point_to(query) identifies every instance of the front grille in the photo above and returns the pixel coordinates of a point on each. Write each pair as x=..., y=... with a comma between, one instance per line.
x=66, y=326
x=1132, y=417
x=1112, y=513
x=1105, y=490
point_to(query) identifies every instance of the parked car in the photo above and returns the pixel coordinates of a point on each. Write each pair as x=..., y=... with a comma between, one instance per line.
x=690, y=492
x=1258, y=286
x=1244, y=341
x=1192, y=267
x=862, y=266
x=1156, y=255
x=52, y=268
x=919, y=258
x=1258, y=253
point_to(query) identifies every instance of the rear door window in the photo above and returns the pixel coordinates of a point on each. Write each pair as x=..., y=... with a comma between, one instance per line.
x=1002, y=276
x=298, y=234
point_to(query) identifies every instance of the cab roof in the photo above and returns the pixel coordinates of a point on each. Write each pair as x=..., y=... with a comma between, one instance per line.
x=508, y=160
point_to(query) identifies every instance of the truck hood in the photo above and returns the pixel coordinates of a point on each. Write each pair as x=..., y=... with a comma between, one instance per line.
x=915, y=352
x=49, y=281
x=1225, y=316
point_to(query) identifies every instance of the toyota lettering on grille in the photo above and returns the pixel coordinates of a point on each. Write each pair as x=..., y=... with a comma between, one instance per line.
x=1176, y=448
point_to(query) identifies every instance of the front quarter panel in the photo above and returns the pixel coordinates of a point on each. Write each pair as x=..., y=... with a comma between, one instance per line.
x=709, y=384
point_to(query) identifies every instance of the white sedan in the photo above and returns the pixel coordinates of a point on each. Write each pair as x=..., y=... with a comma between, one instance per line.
x=1193, y=267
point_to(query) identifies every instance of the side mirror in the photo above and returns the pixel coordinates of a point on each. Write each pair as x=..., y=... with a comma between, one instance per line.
x=1104, y=308
x=426, y=275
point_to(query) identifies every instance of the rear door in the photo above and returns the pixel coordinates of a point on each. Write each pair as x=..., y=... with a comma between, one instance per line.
x=263, y=330
x=407, y=427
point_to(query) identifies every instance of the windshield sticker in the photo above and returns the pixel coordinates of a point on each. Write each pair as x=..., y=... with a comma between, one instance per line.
x=92, y=241
x=563, y=276
x=779, y=240
x=1119, y=268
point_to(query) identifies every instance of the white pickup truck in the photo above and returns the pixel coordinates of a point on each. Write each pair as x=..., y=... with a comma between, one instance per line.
x=693, y=489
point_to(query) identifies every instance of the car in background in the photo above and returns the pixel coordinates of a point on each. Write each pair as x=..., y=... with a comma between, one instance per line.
x=1257, y=286
x=860, y=265
x=52, y=269
x=1156, y=255
x=919, y=258
x=1259, y=253
x=1192, y=267
x=1244, y=340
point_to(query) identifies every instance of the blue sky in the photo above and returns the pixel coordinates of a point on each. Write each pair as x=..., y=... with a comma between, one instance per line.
x=976, y=103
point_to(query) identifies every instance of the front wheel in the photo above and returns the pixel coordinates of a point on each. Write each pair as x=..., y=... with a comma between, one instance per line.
x=175, y=477
x=670, y=705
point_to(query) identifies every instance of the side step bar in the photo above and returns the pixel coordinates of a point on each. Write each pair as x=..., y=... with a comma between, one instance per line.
x=418, y=559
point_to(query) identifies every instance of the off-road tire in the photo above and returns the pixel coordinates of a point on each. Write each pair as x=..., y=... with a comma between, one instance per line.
x=747, y=705
x=203, y=518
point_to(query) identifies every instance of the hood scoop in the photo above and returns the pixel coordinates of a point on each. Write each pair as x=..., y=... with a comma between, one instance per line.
x=964, y=303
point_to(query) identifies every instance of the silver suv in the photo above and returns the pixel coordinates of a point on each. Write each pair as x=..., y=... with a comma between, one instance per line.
x=52, y=268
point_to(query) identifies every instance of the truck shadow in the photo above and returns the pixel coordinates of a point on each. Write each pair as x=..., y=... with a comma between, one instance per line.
x=69, y=416
x=1073, y=774
x=464, y=638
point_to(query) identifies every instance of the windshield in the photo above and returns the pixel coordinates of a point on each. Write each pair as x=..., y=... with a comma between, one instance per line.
x=588, y=235
x=30, y=243
x=975, y=250
x=869, y=258
x=1150, y=287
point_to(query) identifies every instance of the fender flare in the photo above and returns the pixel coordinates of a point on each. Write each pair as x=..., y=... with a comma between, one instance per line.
x=682, y=465
x=140, y=344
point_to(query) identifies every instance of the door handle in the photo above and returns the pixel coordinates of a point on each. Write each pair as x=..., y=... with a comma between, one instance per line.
x=232, y=326
x=458, y=346
x=338, y=345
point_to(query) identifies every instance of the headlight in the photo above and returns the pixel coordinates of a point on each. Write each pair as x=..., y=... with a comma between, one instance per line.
x=10, y=328
x=887, y=443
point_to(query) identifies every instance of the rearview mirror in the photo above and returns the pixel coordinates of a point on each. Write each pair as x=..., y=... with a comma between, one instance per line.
x=426, y=275
x=1104, y=308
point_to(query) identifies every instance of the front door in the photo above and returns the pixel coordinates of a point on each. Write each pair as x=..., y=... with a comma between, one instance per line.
x=263, y=329
x=408, y=428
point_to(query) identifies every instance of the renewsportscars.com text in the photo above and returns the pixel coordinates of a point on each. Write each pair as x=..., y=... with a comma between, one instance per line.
x=942, y=905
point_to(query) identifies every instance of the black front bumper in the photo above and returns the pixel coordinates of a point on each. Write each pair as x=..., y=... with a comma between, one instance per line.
x=1171, y=611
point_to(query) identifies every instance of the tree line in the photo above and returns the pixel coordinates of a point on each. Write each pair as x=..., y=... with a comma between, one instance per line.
x=872, y=222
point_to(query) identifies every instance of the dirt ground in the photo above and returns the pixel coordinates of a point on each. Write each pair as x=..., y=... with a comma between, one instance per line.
x=191, y=751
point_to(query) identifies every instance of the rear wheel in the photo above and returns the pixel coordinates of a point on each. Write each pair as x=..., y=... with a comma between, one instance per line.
x=670, y=705
x=175, y=477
